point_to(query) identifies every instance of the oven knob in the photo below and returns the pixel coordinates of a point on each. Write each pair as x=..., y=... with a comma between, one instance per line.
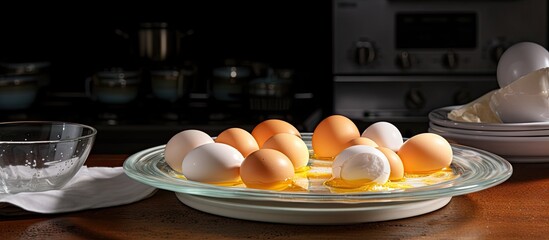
x=414, y=99
x=496, y=52
x=365, y=52
x=404, y=60
x=450, y=60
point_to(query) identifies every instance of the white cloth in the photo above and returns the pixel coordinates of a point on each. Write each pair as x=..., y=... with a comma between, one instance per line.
x=93, y=187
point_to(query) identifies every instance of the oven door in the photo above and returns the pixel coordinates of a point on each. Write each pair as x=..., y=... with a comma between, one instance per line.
x=404, y=100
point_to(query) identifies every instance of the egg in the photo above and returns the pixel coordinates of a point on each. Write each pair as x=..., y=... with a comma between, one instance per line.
x=425, y=152
x=395, y=163
x=384, y=134
x=213, y=163
x=519, y=60
x=361, y=141
x=182, y=143
x=240, y=139
x=290, y=145
x=331, y=136
x=370, y=166
x=267, y=169
x=270, y=127
x=344, y=155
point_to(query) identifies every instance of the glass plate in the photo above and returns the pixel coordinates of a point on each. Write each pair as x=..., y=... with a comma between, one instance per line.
x=475, y=170
x=440, y=117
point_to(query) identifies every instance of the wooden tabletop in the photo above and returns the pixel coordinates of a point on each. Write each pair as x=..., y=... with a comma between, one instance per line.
x=515, y=209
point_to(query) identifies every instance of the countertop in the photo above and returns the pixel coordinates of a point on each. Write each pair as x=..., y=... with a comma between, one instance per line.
x=515, y=209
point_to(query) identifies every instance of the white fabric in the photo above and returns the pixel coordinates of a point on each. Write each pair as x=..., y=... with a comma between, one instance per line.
x=93, y=187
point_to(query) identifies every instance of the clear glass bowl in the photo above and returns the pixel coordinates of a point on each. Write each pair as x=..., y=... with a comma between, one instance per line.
x=475, y=170
x=42, y=155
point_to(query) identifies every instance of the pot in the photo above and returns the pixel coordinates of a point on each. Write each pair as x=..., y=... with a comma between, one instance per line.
x=156, y=41
x=18, y=92
x=271, y=93
x=172, y=84
x=38, y=70
x=230, y=83
x=114, y=86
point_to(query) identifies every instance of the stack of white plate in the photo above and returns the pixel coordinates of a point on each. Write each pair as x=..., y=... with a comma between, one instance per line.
x=516, y=142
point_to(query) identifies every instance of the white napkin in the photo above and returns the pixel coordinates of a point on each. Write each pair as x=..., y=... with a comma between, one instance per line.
x=93, y=187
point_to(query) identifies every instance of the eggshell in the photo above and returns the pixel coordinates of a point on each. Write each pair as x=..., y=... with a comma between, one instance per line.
x=267, y=169
x=290, y=145
x=384, y=134
x=366, y=167
x=362, y=141
x=212, y=163
x=397, y=168
x=181, y=144
x=270, y=127
x=425, y=152
x=240, y=139
x=344, y=155
x=332, y=134
x=520, y=60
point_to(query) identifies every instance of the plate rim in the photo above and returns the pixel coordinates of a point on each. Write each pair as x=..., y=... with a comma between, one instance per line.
x=487, y=133
x=290, y=213
x=444, y=189
x=439, y=116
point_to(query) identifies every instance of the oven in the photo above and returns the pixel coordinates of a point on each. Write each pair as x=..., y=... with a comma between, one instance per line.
x=396, y=60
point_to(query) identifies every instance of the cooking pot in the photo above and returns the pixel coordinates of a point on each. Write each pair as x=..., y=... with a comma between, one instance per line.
x=272, y=93
x=18, y=91
x=230, y=83
x=113, y=86
x=156, y=41
x=38, y=70
x=172, y=84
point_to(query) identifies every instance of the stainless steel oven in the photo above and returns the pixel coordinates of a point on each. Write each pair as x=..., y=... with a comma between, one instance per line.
x=397, y=60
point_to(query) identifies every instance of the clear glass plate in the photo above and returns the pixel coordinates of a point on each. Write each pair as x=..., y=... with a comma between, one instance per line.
x=475, y=170
x=440, y=117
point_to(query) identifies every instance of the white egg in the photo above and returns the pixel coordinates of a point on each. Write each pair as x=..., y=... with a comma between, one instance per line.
x=384, y=134
x=519, y=60
x=371, y=165
x=346, y=154
x=212, y=163
x=181, y=144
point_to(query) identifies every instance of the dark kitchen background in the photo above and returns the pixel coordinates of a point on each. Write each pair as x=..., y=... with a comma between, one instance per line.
x=290, y=37
x=236, y=63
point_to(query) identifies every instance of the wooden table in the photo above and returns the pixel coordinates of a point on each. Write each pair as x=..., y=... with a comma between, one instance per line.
x=516, y=209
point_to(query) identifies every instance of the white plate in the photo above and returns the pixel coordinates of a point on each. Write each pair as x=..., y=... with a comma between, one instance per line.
x=440, y=117
x=310, y=213
x=513, y=149
x=533, y=133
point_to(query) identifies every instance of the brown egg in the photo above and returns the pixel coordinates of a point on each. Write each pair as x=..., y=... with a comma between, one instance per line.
x=270, y=127
x=332, y=134
x=361, y=141
x=425, y=152
x=290, y=145
x=238, y=138
x=267, y=169
x=397, y=168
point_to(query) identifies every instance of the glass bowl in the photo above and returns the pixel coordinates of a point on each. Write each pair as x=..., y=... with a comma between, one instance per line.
x=42, y=155
x=475, y=170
